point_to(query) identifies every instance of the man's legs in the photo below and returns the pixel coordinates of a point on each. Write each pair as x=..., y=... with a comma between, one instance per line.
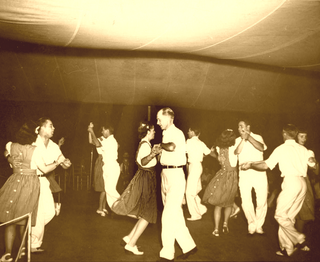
x=289, y=203
x=111, y=173
x=45, y=213
x=173, y=223
x=196, y=209
x=245, y=187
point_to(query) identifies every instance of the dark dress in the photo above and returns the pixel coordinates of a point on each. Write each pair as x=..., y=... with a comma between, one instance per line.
x=222, y=188
x=20, y=194
x=98, y=182
x=139, y=198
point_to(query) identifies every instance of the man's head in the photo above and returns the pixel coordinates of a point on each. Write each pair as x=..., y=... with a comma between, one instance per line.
x=107, y=130
x=165, y=118
x=45, y=127
x=193, y=131
x=289, y=131
x=243, y=126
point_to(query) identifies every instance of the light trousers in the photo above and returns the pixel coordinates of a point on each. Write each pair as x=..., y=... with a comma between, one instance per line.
x=45, y=213
x=258, y=180
x=174, y=227
x=196, y=209
x=111, y=173
x=289, y=203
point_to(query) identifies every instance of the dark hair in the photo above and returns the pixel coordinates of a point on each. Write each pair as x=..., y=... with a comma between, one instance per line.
x=226, y=139
x=144, y=127
x=245, y=120
x=43, y=120
x=195, y=129
x=26, y=134
x=302, y=130
x=166, y=111
x=109, y=127
x=291, y=130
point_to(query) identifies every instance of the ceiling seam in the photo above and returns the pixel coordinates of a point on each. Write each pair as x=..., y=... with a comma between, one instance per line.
x=203, y=48
x=24, y=73
x=98, y=80
x=227, y=104
x=202, y=86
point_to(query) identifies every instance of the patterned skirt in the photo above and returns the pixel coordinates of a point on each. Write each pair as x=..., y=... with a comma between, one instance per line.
x=139, y=199
x=222, y=189
x=98, y=182
x=20, y=196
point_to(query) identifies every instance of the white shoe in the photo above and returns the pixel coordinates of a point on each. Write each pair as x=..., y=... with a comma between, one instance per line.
x=57, y=208
x=101, y=213
x=194, y=218
x=132, y=250
x=6, y=258
x=260, y=231
x=235, y=212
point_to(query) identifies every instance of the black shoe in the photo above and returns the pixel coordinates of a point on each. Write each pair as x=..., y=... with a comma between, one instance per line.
x=162, y=259
x=189, y=253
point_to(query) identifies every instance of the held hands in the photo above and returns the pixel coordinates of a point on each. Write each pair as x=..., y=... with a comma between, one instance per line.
x=244, y=134
x=90, y=127
x=156, y=149
x=245, y=166
x=66, y=163
x=15, y=161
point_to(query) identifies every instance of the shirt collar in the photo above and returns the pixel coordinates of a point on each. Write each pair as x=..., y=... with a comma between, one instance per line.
x=290, y=141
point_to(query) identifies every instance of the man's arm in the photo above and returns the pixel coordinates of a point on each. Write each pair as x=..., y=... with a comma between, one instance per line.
x=168, y=146
x=95, y=141
x=258, y=165
x=258, y=145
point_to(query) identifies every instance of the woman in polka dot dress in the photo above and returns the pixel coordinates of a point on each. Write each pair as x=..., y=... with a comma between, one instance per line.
x=20, y=193
x=222, y=189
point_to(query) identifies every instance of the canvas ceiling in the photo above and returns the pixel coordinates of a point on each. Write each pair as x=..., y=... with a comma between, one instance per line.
x=227, y=55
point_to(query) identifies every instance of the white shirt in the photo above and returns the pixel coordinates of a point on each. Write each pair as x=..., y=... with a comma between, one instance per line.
x=249, y=152
x=49, y=154
x=196, y=149
x=291, y=157
x=109, y=149
x=178, y=156
x=145, y=150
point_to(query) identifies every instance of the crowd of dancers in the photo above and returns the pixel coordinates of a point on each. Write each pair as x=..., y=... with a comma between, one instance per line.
x=242, y=168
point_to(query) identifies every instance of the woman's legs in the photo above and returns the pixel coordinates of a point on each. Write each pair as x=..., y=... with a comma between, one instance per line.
x=137, y=230
x=9, y=236
x=217, y=217
x=102, y=201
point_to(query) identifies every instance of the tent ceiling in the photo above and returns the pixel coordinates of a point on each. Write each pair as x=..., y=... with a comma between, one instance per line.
x=231, y=55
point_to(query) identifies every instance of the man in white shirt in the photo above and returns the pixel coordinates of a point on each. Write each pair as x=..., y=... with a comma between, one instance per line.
x=196, y=149
x=173, y=183
x=111, y=168
x=250, y=147
x=293, y=160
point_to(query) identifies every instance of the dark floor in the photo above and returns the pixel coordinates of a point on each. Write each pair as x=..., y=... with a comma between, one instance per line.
x=80, y=234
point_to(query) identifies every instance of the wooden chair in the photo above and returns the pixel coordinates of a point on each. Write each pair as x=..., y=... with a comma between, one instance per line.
x=80, y=177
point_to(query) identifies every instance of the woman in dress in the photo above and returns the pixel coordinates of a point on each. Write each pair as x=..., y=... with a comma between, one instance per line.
x=222, y=189
x=20, y=194
x=139, y=198
x=306, y=214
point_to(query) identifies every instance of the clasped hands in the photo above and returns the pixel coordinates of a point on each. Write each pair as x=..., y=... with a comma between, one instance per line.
x=245, y=166
x=90, y=127
x=156, y=149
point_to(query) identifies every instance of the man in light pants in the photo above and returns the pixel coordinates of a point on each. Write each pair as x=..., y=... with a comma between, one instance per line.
x=196, y=149
x=250, y=147
x=293, y=160
x=173, y=183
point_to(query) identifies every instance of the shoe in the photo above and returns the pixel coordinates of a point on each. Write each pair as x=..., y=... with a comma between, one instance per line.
x=285, y=253
x=125, y=240
x=132, y=250
x=22, y=252
x=193, y=218
x=303, y=246
x=215, y=232
x=37, y=250
x=225, y=228
x=57, y=208
x=235, y=212
x=101, y=213
x=105, y=211
x=189, y=253
x=260, y=231
x=6, y=258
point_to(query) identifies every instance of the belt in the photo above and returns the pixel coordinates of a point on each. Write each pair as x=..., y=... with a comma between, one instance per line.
x=167, y=167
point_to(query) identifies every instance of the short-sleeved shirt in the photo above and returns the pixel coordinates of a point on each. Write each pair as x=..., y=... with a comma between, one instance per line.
x=291, y=157
x=145, y=150
x=178, y=156
x=196, y=149
x=249, y=152
x=49, y=154
x=109, y=149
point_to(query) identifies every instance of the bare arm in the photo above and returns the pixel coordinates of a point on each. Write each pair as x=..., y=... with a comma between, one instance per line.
x=168, y=146
x=258, y=165
x=95, y=140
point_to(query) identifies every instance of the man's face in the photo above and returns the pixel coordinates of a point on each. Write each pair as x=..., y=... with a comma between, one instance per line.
x=242, y=127
x=190, y=133
x=105, y=132
x=163, y=121
x=48, y=129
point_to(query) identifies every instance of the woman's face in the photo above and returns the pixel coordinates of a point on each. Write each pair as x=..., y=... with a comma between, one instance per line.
x=151, y=133
x=302, y=138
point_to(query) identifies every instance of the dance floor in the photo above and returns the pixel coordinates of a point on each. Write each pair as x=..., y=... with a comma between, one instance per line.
x=80, y=234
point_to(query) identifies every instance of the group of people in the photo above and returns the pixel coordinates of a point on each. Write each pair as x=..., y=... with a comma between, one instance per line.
x=27, y=191
x=242, y=169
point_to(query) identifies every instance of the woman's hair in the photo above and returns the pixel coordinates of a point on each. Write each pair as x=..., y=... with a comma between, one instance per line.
x=226, y=139
x=144, y=127
x=26, y=134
